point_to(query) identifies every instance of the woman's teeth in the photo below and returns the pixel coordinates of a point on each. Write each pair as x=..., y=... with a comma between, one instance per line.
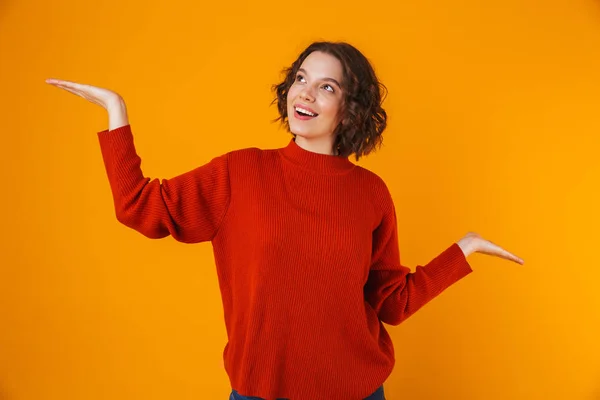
x=305, y=112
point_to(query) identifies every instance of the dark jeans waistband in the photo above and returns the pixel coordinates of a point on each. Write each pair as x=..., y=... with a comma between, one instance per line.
x=377, y=395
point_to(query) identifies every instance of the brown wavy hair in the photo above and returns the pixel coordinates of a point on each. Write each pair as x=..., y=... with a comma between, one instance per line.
x=363, y=119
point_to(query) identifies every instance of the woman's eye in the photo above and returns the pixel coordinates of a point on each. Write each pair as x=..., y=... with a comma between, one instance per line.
x=298, y=77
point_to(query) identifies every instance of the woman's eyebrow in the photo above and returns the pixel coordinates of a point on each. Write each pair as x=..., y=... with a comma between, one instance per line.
x=324, y=79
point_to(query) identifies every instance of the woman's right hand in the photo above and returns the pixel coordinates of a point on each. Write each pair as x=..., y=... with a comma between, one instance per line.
x=109, y=100
x=97, y=95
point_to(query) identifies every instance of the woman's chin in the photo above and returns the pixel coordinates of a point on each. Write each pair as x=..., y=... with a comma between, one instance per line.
x=299, y=133
x=302, y=131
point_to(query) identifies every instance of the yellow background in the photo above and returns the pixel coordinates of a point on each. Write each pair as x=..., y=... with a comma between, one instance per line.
x=493, y=128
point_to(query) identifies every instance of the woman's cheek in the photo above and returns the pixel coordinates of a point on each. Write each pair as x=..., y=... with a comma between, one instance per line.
x=329, y=108
x=292, y=93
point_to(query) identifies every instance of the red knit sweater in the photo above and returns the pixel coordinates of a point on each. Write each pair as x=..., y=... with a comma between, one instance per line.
x=307, y=258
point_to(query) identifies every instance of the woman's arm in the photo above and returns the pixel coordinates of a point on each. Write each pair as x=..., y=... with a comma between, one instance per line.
x=189, y=207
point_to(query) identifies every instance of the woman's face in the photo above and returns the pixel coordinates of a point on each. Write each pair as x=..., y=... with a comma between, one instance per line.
x=316, y=89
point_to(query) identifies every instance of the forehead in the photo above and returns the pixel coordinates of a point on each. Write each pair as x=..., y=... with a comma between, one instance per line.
x=322, y=65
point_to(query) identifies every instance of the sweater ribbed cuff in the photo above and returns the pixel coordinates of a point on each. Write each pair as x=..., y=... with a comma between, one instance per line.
x=452, y=265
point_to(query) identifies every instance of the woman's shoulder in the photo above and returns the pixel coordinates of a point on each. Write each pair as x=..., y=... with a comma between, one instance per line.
x=243, y=159
x=375, y=187
x=251, y=152
x=370, y=177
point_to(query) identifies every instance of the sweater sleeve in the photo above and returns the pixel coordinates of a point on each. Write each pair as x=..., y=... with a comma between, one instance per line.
x=392, y=290
x=189, y=207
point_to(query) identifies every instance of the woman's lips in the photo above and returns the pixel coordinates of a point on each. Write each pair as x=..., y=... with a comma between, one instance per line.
x=305, y=108
x=303, y=117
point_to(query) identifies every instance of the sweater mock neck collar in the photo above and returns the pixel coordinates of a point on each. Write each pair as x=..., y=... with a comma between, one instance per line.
x=323, y=163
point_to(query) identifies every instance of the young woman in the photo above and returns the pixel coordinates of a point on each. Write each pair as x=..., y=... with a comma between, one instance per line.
x=305, y=241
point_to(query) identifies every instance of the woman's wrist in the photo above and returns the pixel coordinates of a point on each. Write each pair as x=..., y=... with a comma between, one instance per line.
x=465, y=245
x=117, y=114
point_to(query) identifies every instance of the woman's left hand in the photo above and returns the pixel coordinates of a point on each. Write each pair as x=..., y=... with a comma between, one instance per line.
x=474, y=243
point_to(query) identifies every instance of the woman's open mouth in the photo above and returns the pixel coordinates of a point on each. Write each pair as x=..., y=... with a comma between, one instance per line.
x=304, y=115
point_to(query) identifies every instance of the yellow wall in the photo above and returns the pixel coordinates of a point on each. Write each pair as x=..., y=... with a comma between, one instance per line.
x=493, y=127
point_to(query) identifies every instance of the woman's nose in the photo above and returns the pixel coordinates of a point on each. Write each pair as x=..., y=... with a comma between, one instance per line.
x=306, y=95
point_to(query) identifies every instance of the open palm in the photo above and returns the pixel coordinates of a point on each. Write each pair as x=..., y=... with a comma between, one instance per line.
x=97, y=95
x=474, y=243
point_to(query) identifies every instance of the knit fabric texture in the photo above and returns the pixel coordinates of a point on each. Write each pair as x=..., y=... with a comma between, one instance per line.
x=307, y=258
